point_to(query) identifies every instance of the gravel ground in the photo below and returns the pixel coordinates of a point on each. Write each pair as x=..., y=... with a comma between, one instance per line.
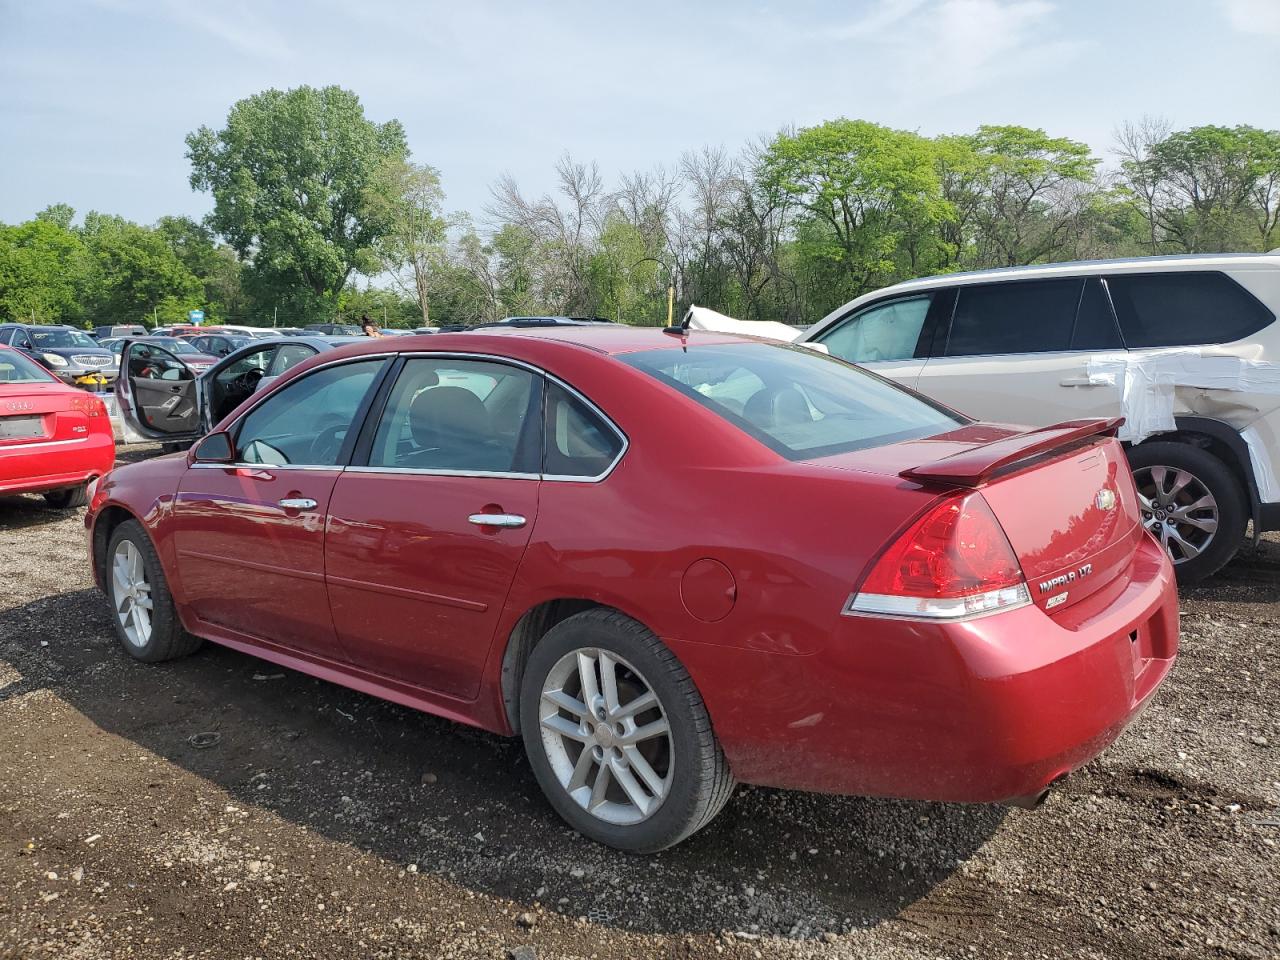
x=323, y=823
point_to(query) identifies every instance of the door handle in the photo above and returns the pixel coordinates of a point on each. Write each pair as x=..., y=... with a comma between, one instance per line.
x=497, y=520
x=297, y=503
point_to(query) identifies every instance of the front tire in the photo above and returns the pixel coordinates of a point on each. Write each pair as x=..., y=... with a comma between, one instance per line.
x=143, y=612
x=618, y=736
x=1192, y=503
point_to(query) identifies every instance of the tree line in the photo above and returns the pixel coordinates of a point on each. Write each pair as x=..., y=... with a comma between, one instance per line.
x=320, y=212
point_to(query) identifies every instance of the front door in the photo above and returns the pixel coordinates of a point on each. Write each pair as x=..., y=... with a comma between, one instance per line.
x=249, y=535
x=158, y=394
x=426, y=536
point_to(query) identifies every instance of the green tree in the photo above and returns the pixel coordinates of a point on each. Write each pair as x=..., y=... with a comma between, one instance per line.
x=871, y=200
x=1017, y=194
x=411, y=252
x=297, y=193
x=215, y=265
x=1205, y=189
x=43, y=270
x=134, y=274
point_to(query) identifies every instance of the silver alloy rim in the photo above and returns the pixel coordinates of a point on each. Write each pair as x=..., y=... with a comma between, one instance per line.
x=131, y=593
x=1179, y=509
x=606, y=736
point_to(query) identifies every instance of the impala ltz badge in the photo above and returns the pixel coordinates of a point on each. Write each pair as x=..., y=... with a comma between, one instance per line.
x=1106, y=499
x=1062, y=579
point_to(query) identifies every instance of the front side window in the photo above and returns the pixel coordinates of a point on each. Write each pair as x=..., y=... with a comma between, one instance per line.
x=800, y=403
x=1032, y=316
x=1184, y=308
x=306, y=423
x=463, y=416
x=578, y=442
x=886, y=331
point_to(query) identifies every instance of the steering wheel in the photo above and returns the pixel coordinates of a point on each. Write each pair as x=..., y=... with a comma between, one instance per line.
x=328, y=442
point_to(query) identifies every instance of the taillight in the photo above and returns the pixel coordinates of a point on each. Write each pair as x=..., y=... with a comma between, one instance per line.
x=89, y=405
x=953, y=562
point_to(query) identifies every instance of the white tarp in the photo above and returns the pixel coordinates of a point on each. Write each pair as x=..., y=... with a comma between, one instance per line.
x=701, y=318
x=1155, y=386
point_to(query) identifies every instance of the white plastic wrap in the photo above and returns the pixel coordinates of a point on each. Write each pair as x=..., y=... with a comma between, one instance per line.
x=1157, y=385
x=702, y=318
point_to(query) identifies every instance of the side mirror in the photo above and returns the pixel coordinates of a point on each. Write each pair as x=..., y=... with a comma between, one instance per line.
x=215, y=448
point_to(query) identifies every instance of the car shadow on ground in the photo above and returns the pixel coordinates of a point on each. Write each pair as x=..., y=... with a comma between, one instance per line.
x=27, y=510
x=463, y=804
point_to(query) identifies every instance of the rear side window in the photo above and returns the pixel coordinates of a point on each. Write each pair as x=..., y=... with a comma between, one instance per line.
x=578, y=442
x=1035, y=316
x=1178, y=309
x=884, y=331
x=799, y=403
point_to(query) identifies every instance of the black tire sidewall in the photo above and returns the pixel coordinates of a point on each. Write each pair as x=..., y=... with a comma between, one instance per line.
x=1227, y=491
x=672, y=820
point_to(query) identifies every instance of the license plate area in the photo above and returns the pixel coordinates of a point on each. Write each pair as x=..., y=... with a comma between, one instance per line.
x=1141, y=647
x=21, y=428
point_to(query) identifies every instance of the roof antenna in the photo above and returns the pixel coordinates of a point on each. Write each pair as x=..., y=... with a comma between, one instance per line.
x=683, y=329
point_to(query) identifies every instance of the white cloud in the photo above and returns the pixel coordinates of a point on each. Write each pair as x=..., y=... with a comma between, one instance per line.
x=1253, y=16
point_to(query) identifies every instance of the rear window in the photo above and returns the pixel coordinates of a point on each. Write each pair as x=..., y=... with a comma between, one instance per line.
x=799, y=403
x=16, y=368
x=1179, y=309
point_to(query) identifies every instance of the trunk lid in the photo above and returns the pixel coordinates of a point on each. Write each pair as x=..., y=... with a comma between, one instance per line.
x=1064, y=496
x=35, y=412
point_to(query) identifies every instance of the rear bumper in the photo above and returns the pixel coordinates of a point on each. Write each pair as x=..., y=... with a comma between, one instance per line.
x=993, y=709
x=54, y=465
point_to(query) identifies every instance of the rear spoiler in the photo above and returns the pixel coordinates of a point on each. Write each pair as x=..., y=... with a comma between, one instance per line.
x=972, y=467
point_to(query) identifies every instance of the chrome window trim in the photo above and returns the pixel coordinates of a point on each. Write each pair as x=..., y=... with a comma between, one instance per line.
x=234, y=426
x=495, y=474
x=539, y=371
x=335, y=467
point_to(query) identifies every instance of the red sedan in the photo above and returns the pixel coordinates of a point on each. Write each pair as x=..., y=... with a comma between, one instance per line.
x=670, y=563
x=54, y=439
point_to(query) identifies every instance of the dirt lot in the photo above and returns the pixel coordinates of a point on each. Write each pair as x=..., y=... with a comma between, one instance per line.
x=323, y=823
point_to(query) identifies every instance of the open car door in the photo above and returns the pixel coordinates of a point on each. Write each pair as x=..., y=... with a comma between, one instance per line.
x=158, y=395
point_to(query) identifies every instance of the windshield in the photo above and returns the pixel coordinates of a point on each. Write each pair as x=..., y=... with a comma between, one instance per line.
x=800, y=403
x=60, y=339
x=16, y=368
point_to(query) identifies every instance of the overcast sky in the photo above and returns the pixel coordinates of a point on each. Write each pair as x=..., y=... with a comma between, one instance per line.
x=96, y=97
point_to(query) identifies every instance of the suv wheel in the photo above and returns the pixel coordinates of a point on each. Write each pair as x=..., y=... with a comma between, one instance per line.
x=618, y=736
x=1192, y=503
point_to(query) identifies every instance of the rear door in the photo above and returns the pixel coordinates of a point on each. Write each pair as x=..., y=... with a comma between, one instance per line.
x=1018, y=352
x=157, y=394
x=890, y=337
x=428, y=527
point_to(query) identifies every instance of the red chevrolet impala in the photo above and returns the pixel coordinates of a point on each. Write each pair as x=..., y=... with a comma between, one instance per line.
x=54, y=439
x=670, y=563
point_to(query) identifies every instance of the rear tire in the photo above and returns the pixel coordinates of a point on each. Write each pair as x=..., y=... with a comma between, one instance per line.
x=142, y=608
x=69, y=498
x=1192, y=503
x=680, y=776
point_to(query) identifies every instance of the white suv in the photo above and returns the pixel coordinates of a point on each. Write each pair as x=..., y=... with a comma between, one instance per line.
x=1187, y=349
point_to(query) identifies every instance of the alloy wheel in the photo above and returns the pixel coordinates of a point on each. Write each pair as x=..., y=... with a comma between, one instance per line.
x=131, y=593
x=1178, y=509
x=606, y=736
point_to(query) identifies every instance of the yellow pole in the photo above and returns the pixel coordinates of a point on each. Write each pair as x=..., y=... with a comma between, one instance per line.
x=671, y=301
